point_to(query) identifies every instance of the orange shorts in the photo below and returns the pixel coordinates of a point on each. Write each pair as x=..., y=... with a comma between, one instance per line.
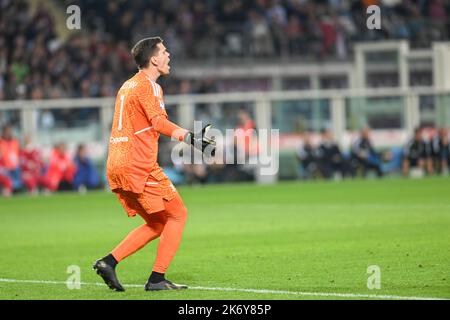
x=158, y=189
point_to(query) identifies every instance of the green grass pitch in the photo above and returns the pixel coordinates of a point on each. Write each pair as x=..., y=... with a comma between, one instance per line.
x=312, y=239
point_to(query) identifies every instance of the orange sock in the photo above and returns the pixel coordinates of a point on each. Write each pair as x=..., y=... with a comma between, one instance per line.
x=176, y=214
x=140, y=236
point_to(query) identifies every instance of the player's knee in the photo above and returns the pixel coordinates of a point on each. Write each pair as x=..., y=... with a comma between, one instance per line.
x=177, y=211
x=182, y=214
x=158, y=228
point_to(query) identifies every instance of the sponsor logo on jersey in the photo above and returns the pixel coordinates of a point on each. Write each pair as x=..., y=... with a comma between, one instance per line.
x=118, y=140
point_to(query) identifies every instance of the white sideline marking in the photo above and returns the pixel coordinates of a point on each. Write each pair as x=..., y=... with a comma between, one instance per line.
x=261, y=291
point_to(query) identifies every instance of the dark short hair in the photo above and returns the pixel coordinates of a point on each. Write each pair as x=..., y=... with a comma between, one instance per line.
x=144, y=50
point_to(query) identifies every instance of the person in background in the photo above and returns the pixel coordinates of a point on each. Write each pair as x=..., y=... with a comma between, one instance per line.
x=363, y=154
x=330, y=156
x=416, y=153
x=6, y=183
x=245, y=134
x=308, y=158
x=60, y=168
x=31, y=166
x=245, y=146
x=85, y=176
x=440, y=148
x=10, y=150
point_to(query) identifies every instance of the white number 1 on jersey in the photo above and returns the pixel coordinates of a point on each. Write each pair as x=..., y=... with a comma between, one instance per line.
x=122, y=100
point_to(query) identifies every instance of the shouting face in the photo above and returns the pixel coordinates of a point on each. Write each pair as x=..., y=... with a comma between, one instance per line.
x=161, y=60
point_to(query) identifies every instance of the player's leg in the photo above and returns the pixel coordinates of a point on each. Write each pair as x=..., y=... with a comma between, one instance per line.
x=134, y=241
x=150, y=206
x=51, y=181
x=139, y=237
x=343, y=168
x=421, y=163
x=29, y=183
x=176, y=214
x=446, y=164
x=374, y=163
x=405, y=167
x=6, y=184
x=326, y=169
x=378, y=169
x=429, y=165
x=365, y=166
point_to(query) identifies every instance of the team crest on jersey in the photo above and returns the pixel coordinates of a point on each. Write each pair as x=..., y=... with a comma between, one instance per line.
x=161, y=105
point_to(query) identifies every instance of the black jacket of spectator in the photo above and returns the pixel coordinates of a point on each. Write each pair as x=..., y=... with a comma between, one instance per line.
x=364, y=155
x=332, y=160
x=416, y=150
x=439, y=149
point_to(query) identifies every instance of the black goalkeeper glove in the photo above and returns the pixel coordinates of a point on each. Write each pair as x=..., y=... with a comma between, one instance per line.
x=201, y=141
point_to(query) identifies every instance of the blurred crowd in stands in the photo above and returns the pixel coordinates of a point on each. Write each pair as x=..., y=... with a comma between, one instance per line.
x=211, y=28
x=424, y=154
x=427, y=153
x=36, y=63
x=22, y=167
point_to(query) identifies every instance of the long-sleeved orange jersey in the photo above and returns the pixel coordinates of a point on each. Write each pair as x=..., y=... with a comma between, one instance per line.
x=139, y=118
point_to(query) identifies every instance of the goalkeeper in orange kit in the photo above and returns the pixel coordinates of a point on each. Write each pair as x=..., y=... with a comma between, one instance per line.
x=134, y=174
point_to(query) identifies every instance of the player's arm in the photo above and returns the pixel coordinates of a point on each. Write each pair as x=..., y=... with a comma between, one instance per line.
x=199, y=140
x=160, y=123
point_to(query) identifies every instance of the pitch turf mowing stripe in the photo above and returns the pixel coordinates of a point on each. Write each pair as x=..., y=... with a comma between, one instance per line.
x=260, y=291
